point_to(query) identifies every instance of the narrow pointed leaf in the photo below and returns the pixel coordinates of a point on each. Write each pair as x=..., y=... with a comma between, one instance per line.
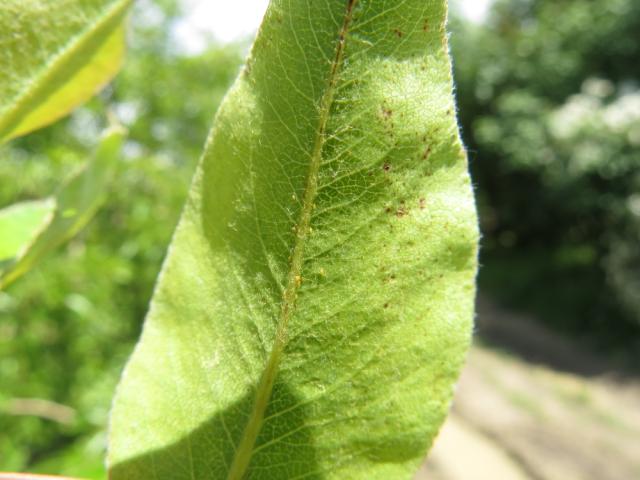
x=55, y=56
x=316, y=303
x=71, y=208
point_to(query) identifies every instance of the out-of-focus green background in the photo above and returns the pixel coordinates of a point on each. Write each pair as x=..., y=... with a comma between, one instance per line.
x=549, y=98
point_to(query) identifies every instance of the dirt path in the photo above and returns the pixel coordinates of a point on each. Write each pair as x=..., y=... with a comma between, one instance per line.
x=463, y=453
x=557, y=414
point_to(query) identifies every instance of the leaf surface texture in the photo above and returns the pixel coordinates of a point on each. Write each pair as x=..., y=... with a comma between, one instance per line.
x=316, y=303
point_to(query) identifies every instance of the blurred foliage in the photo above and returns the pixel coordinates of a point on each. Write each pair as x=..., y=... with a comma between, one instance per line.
x=68, y=327
x=549, y=97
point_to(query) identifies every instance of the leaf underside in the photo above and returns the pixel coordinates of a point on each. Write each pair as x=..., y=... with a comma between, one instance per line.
x=316, y=303
x=55, y=55
x=36, y=228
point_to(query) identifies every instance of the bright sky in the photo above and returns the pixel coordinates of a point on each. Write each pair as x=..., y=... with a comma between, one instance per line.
x=229, y=20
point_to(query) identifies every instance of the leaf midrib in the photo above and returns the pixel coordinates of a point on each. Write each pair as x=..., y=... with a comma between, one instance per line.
x=245, y=448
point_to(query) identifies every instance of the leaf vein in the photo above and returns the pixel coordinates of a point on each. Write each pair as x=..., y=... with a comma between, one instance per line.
x=245, y=449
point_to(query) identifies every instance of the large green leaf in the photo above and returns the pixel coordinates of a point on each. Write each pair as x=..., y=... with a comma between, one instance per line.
x=316, y=303
x=54, y=55
x=28, y=231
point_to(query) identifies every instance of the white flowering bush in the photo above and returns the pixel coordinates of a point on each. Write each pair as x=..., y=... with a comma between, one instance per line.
x=597, y=134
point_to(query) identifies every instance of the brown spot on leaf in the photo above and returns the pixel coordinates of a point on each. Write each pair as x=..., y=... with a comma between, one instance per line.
x=422, y=203
x=386, y=167
x=399, y=33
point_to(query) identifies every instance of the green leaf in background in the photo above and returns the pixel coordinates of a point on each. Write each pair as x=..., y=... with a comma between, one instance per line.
x=61, y=217
x=26, y=476
x=54, y=56
x=316, y=303
x=20, y=223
